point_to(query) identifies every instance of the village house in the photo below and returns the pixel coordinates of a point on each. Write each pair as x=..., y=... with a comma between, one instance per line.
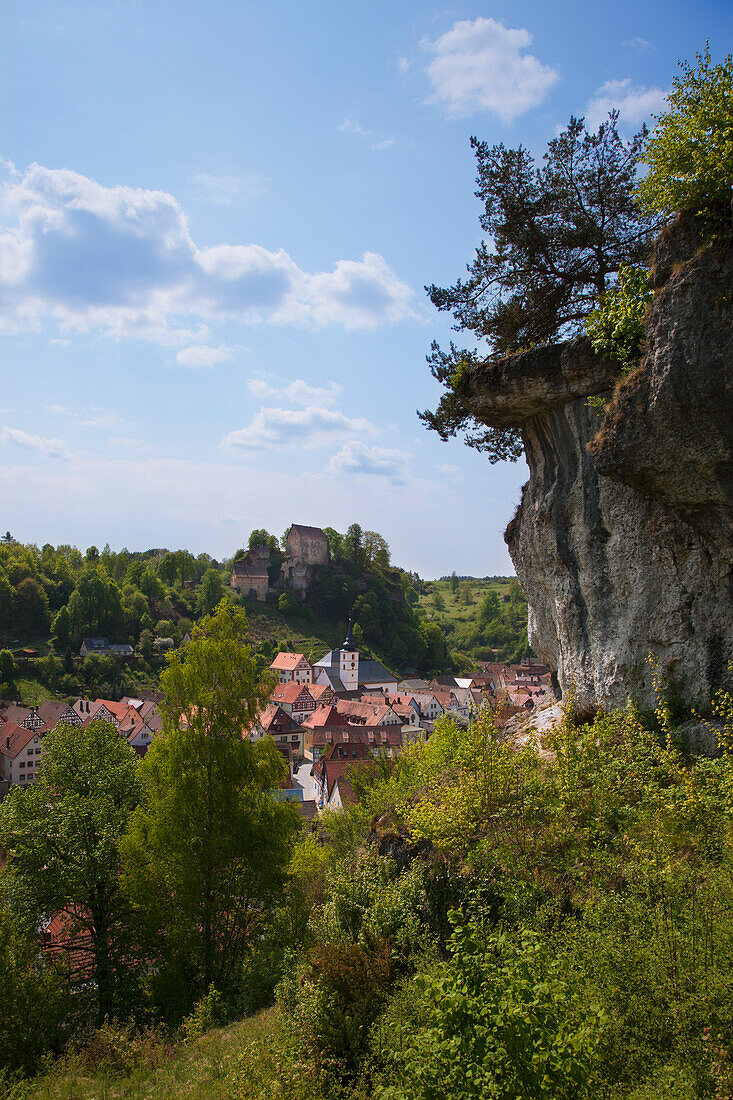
x=104, y=648
x=295, y=699
x=27, y=717
x=320, y=728
x=292, y=667
x=250, y=578
x=335, y=765
x=21, y=751
x=275, y=722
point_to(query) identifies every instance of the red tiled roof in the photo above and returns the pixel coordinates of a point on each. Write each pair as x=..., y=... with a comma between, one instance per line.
x=288, y=693
x=288, y=662
x=273, y=715
x=14, y=738
x=323, y=717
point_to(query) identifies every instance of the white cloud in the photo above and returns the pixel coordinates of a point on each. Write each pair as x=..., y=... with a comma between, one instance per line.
x=223, y=190
x=91, y=417
x=639, y=44
x=356, y=457
x=349, y=127
x=453, y=473
x=283, y=429
x=403, y=64
x=634, y=102
x=121, y=261
x=481, y=65
x=50, y=448
x=201, y=355
x=298, y=392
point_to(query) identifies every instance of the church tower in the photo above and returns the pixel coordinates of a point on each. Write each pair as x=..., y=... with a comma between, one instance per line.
x=349, y=663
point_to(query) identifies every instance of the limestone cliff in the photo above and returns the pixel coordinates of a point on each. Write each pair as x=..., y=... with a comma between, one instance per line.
x=623, y=540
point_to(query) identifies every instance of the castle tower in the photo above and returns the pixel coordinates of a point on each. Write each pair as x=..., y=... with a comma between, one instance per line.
x=349, y=663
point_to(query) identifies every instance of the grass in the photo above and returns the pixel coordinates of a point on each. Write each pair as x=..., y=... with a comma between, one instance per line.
x=456, y=612
x=248, y=1060
x=29, y=690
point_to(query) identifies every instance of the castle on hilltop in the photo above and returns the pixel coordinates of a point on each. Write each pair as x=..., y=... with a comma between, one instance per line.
x=306, y=550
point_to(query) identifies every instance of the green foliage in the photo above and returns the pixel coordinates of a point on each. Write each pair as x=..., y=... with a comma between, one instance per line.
x=287, y=603
x=555, y=236
x=7, y=667
x=33, y=999
x=616, y=327
x=690, y=151
x=207, y=850
x=502, y=1023
x=210, y=592
x=64, y=833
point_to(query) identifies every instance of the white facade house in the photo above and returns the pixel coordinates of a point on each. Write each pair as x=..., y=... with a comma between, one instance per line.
x=21, y=752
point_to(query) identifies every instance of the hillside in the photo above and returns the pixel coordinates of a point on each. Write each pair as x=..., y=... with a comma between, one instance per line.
x=482, y=618
x=145, y=603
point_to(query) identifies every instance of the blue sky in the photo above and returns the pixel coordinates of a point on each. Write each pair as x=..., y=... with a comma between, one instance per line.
x=218, y=219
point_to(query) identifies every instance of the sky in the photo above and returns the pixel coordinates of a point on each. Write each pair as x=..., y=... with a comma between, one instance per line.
x=217, y=220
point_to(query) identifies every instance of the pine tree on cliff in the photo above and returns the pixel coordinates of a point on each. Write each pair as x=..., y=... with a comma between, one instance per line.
x=555, y=234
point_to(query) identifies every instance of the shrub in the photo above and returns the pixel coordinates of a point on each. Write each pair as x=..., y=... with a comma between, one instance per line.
x=690, y=152
x=617, y=325
x=502, y=1024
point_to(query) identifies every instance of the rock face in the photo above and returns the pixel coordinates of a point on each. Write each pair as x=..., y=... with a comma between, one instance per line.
x=623, y=541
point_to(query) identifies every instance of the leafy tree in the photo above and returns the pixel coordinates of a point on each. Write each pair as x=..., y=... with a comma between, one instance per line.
x=556, y=235
x=95, y=606
x=7, y=667
x=168, y=568
x=336, y=548
x=31, y=607
x=64, y=833
x=354, y=547
x=262, y=538
x=690, y=151
x=376, y=550
x=210, y=591
x=152, y=586
x=466, y=593
x=206, y=854
x=186, y=565
x=61, y=629
x=33, y=999
x=454, y=582
x=438, y=601
x=288, y=604
x=617, y=325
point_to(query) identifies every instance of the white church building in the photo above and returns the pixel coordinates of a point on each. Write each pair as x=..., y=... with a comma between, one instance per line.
x=343, y=670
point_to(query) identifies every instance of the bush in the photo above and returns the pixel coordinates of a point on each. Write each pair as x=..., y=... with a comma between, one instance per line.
x=502, y=1023
x=690, y=152
x=287, y=604
x=617, y=325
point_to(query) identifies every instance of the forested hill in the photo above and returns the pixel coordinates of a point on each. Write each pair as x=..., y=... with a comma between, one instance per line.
x=53, y=597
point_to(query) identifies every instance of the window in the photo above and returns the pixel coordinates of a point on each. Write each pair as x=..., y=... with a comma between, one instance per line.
x=29, y=752
x=37, y=751
x=22, y=764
